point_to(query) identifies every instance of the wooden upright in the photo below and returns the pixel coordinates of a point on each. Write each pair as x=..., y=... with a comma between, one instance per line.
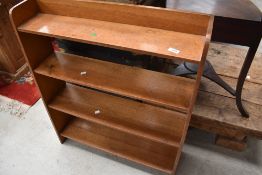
x=12, y=62
x=130, y=112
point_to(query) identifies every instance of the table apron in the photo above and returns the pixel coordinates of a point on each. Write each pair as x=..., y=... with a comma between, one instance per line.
x=236, y=31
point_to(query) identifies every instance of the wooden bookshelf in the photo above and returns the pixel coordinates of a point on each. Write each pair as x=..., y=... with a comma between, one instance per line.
x=134, y=113
x=129, y=81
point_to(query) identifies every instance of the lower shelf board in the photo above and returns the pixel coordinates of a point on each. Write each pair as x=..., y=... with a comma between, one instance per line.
x=127, y=146
x=127, y=115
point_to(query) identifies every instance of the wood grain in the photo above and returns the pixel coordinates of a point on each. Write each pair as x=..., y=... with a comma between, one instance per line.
x=152, y=17
x=200, y=70
x=59, y=121
x=227, y=61
x=137, y=39
x=35, y=49
x=219, y=114
x=216, y=113
x=121, y=144
x=231, y=143
x=10, y=52
x=164, y=126
x=252, y=92
x=153, y=87
x=23, y=11
x=42, y=48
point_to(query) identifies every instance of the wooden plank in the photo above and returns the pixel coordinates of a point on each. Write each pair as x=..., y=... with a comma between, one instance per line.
x=252, y=92
x=137, y=39
x=216, y=113
x=227, y=61
x=152, y=17
x=153, y=87
x=158, y=124
x=231, y=143
x=10, y=52
x=42, y=48
x=124, y=145
x=221, y=116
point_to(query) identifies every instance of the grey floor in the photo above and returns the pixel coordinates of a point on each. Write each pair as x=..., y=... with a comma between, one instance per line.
x=29, y=145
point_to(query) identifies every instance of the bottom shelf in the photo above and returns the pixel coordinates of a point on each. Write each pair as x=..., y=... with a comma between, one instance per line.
x=149, y=153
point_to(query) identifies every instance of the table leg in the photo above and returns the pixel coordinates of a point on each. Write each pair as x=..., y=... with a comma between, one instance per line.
x=187, y=68
x=243, y=74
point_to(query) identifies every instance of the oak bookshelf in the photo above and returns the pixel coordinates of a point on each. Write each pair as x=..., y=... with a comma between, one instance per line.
x=130, y=112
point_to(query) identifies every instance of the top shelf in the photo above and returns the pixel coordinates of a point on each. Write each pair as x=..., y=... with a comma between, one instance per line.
x=138, y=39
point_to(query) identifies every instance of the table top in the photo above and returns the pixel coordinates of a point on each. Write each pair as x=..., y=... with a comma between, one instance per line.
x=238, y=9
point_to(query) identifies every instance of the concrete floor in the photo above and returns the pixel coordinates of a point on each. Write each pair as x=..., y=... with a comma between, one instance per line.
x=29, y=145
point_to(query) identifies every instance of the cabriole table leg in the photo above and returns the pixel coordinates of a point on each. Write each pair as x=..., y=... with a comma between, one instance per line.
x=243, y=74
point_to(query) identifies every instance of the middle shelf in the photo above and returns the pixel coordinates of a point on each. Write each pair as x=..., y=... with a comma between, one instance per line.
x=149, y=86
x=146, y=121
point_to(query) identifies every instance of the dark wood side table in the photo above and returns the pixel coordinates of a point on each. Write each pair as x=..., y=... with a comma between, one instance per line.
x=236, y=22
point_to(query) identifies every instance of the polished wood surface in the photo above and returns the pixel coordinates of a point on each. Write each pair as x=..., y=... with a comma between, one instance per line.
x=59, y=121
x=11, y=56
x=238, y=9
x=152, y=17
x=156, y=144
x=164, y=126
x=124, y=145
x=140, y=39
x=199, y=74
x=42, y=48
x=153, y=87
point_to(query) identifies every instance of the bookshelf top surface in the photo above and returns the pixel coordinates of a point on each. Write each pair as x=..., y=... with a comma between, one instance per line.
x=138, y=39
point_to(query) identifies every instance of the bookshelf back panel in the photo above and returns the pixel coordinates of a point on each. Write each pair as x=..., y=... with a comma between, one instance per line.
x=137, y=39
x=152, y=17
